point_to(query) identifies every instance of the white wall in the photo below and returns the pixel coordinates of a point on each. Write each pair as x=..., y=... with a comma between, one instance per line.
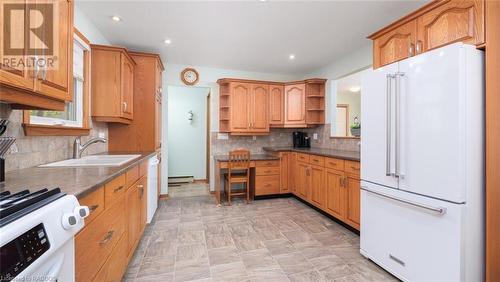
x=354, y=61
x=187, y=140
x=85, y=26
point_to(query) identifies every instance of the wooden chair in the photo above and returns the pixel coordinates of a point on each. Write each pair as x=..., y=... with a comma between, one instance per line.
x=238, y=173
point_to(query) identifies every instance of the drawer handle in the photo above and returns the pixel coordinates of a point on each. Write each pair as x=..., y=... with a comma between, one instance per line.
x=93, y=208
x=107, y=238
x=118, y=189
x=267, y=185
x=267, y=171
x=332, y=164
x=141, y=188
x=355, y=168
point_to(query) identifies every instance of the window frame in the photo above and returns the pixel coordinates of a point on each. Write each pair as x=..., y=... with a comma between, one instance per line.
x=32, y=125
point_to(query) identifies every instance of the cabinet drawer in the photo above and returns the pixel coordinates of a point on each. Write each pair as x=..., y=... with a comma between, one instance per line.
x=267, y=170
x=334, y=164
x=352, y=167
x=267, y=163
x=267, y=185
x=143, y=168
x=114, y=189
x=96, y=241
x=115, y=266
x=317, y=160
x=303, y=158
x=95, y=202
x=132, y=175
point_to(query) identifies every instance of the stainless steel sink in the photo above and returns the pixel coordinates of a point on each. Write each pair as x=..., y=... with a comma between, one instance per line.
x=96, y=160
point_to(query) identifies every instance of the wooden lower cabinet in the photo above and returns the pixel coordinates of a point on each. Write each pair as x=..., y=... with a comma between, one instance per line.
x=318, y=187
x=335, y=193
x=267, y=178
x=302, y=180
x=112, y=231
x=136, y=213
x=352, y=199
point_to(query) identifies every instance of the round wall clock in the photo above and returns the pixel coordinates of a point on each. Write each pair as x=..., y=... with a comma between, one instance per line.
x=189, y=76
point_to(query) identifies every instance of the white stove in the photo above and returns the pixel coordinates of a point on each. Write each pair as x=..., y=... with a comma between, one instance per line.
x=37, y=235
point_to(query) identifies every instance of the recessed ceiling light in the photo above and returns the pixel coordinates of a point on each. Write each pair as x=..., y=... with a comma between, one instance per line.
x=263, y=0
x=167, y=41
x=116, y=18
x=355, y=89
x=291, y=57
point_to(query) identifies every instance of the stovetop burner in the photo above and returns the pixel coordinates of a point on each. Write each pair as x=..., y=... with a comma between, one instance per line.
x=14, y=206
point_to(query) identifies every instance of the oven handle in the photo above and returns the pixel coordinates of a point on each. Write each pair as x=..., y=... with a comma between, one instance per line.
x=439, y=210
x=54, y=271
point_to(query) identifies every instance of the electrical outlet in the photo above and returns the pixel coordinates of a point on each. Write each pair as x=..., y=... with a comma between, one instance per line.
x=254, y=137
x=222, y=136
x=315, y=136
x=102, y=135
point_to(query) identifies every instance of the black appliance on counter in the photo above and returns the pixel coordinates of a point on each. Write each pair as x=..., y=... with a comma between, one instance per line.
x=301, y=140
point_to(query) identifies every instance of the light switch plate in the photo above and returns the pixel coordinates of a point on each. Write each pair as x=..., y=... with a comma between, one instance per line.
x=254, y=137
x=222, y=136
x=102, y=135
x=315, y=136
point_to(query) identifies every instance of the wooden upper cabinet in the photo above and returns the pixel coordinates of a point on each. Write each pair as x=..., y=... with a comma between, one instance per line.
x=240, y=108
x=46, y=87
x=395, y=45
x=259, y=105
x=127, y=86
x=295, y=104
x=143, y=133
x=436, y=24
x=276, y=105
x=112, y=84
x=452, y=22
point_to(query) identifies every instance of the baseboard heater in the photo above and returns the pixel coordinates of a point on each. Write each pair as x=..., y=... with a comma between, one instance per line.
x=178, y=180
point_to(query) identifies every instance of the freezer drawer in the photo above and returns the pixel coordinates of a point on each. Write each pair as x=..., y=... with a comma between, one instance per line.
x=413, y=237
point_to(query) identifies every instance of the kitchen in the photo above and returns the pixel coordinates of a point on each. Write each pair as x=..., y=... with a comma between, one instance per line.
x=322, y=197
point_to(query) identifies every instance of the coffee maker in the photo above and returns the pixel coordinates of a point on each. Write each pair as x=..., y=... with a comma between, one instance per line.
x=301, y=140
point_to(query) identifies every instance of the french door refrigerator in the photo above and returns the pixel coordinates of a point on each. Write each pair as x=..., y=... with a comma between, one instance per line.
x=422, y=166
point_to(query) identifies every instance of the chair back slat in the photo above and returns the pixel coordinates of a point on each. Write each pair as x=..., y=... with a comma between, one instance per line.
x=239, y=160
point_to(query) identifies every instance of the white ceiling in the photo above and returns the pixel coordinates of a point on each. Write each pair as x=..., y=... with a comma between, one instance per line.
x=246, y=35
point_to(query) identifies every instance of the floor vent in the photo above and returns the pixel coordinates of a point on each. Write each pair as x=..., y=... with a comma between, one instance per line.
x=178, y=180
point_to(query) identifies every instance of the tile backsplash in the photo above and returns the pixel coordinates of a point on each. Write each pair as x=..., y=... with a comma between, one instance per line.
x=29, y=151
x=280, y=138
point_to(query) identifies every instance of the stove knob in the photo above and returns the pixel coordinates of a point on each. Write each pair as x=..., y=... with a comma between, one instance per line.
x=69, y=220
x=82, y=212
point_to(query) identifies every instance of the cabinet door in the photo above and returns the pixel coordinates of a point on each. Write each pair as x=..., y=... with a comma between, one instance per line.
x=127, y=86
x=451, y=22
x=318, y=189
x=259, y=108
x=133, y=217
x=352, y=201
x=142, y=186
x=158, y=78
x=158, y=121
x=395, y=45
x=284, y=167
x=276, y=105
x=113, y=269
x=335, y=193
x=303, y=180
x=57, y=82
x=292, y=172
x=240, y=108
x=295, y=104
x=16, y=75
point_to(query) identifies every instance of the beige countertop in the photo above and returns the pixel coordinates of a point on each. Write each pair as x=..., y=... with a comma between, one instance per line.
x=332, y=153
x=77, y=181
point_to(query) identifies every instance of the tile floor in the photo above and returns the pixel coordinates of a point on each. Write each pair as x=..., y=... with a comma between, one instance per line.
x=283, y=239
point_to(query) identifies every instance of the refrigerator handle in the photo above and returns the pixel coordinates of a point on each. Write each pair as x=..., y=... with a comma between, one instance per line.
x=439, y=210
x=397, y=130
x=389, y=78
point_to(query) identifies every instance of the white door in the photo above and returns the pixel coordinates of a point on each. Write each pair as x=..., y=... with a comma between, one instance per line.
x=433, y=124
x=377, y=110
x=341, y=122
x=408, y=236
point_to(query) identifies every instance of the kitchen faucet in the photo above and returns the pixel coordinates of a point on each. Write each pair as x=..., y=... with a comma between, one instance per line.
x=78, y=148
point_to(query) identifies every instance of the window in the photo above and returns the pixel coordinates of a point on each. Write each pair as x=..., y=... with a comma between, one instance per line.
x=74, y=119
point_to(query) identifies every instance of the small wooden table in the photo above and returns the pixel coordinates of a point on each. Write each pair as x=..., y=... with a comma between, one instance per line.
x=221, y=162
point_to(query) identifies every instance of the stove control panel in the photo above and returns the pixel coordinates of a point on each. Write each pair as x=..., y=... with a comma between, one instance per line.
x=19, y=253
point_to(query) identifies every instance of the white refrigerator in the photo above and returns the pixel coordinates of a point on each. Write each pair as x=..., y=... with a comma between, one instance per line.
x=422, y=166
